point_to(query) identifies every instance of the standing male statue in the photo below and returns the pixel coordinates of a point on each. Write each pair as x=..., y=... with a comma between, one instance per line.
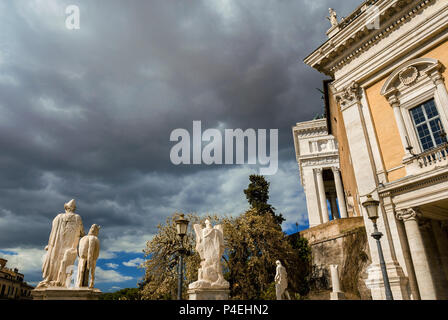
x=62, y=246
x=333, y=18
x=210, y=245
x=281, y=282
x=89, y=250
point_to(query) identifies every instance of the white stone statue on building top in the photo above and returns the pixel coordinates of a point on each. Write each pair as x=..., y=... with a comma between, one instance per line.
x=210, y=246
x=281, y=282
x=89, y=250
x=333, y=18
x=66, y=230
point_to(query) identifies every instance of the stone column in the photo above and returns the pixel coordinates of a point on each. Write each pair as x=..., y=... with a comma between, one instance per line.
x=337, y=294
x=418, y=253
x=439, y=81
x=442, y=245
x=334, y=207
x=395, y=103
x=322, y=196
x=312, y=197
x=340, y=192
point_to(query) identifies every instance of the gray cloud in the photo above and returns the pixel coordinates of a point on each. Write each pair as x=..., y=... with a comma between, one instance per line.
x=87, y=114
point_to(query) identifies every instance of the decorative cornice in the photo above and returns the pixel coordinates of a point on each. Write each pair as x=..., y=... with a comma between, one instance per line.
x=313, y=125
x=341, y=49
x=410, y=185
x=381, y=35
x=320, y=161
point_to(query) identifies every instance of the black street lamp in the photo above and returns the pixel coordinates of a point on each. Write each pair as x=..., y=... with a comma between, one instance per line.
x=371, y=206
x=181, y=229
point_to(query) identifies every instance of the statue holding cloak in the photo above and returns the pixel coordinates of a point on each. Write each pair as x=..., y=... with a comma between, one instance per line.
x=210, y=246
x=66, y=230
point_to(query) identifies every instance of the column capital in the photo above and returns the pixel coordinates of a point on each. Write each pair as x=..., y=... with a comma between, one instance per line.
x=349, y=95
x=409, y=214
x=319, y=171
x=335, y=169
x=393, y=101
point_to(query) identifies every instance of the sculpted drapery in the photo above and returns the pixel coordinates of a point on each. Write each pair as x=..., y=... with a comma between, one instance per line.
x=210, y=246
x=66, y=231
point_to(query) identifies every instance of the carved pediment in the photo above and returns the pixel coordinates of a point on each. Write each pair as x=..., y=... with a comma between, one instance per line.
x=409, y=73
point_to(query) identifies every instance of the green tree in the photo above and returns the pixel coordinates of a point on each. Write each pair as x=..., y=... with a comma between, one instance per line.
x=257, y=193
x=123, y=294
x=254, y=242
x=161, y=274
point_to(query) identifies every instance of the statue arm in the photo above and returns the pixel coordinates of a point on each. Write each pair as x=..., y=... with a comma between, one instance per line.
x=198, y=230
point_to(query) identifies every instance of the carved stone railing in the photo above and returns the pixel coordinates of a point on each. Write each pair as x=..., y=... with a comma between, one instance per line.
x=428, y=160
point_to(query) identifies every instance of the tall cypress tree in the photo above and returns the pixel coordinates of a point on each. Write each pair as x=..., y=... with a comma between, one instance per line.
x=257, y=193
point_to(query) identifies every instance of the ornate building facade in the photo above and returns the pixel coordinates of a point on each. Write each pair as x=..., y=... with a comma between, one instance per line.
x=388, y=103
x=12, y=285
x=318, y=159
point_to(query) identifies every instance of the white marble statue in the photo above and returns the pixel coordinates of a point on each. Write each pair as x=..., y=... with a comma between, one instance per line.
x=281, y=282
x=89, y=250
x=336, y=293
x=62, y=246
x=333, y=18
x=210, y=246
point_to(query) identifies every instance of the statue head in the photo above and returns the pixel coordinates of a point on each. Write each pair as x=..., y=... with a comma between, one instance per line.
x=331, y=10
x=208, y=224
x=70, y=206
x=94, y=230
x=278, y=263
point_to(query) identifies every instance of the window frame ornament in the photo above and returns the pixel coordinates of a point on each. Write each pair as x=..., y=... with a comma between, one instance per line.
x=405, y=93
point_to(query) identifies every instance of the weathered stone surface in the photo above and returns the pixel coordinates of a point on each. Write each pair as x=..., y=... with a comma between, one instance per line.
x=66, y=294
x=337, y=296
x=330, y=245
x=208, y=294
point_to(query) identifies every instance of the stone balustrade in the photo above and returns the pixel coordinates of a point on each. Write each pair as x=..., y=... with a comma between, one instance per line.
x=427, y=161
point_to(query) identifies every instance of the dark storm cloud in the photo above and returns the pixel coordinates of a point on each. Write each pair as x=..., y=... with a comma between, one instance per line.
x=87, y=114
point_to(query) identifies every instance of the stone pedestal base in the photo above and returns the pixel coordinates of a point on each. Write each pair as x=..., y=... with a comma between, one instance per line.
x=208, y=294
x=397, y=280
x=66, y=294
x=337, y=296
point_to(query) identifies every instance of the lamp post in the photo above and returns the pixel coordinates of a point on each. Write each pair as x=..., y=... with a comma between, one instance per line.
x=181, y=229
x=371, y=207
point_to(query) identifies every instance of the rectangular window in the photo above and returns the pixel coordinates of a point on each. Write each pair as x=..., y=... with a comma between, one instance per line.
x=428, y=126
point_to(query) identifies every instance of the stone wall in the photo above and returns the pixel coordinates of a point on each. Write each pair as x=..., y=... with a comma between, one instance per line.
x=342, y=242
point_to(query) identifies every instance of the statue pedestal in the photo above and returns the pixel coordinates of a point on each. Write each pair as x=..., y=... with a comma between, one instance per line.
x=66, y=294
x=337, y=296
x=208, y=294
